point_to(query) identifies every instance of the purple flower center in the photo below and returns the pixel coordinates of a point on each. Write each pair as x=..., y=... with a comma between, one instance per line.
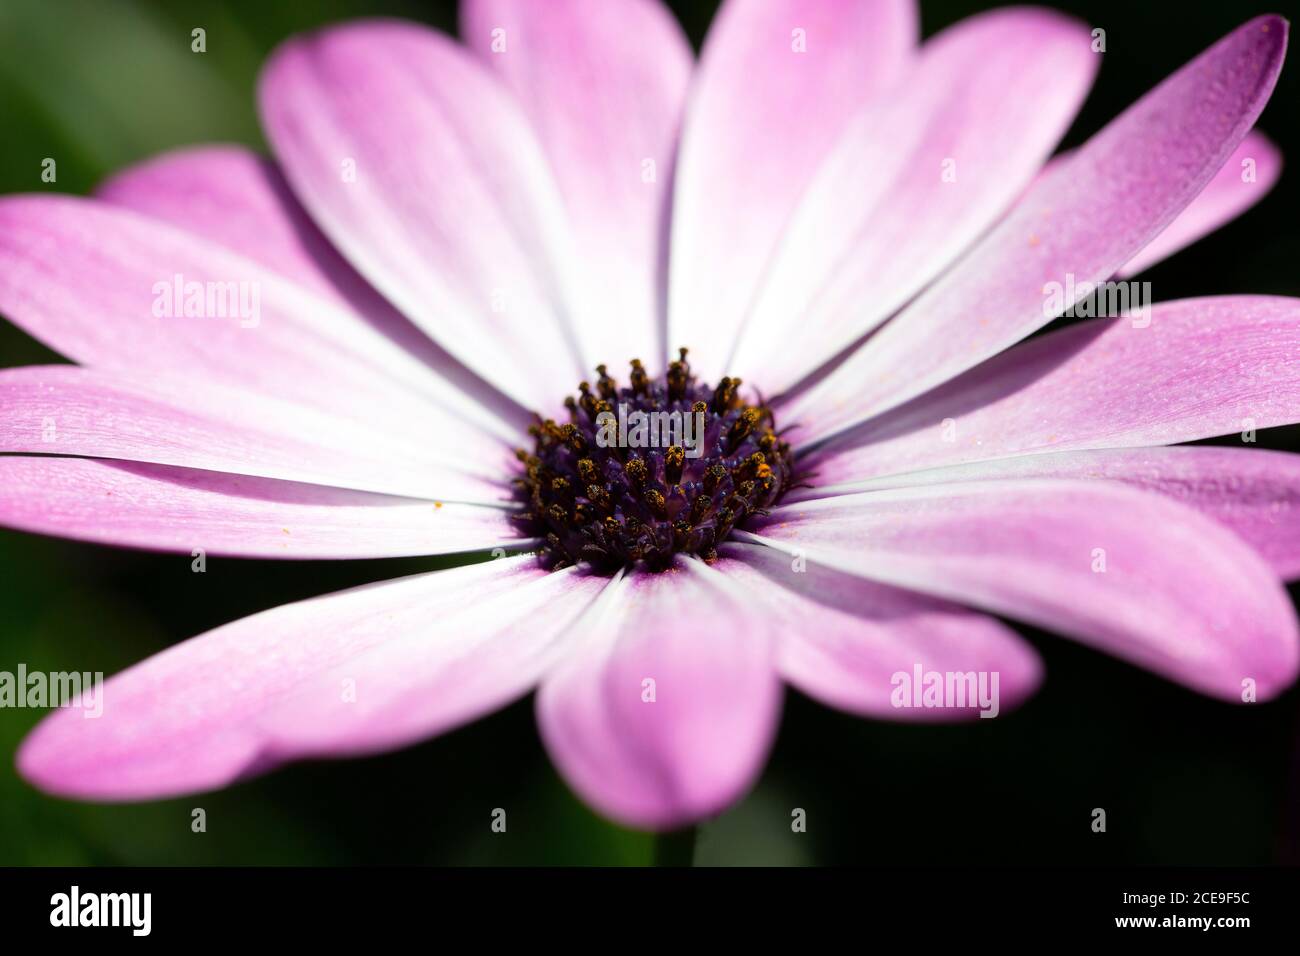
x=642, y=472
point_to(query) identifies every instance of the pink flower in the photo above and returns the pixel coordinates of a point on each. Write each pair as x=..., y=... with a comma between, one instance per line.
x=862, y=228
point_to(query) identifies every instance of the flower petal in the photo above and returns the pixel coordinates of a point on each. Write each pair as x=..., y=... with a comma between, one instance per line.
x=843, y=639
x=129, y=504
x=236, y=198
x=777, y=84
x=603, y=82
x=1256, y=493
x=1244, y=180
x=423, y=172
x=109, y=287
x=665, y=711
x=1076, y=226
x=239, y=199
x=913, y=182
x=68, y=410
x=1129, y=572
x=1200, y=368
x=355, y=672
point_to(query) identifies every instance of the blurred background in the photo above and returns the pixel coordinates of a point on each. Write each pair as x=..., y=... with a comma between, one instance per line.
x=1183, y=779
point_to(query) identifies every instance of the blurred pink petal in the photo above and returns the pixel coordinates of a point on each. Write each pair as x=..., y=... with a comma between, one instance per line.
x=178, y=509
x=912, y=182
x=96, y=283
x=688, y=638
x=68, y=410
x=842, y=638
x=423, y=172
x=1098, y=209
x=1129, y=572
x=603, y=84
x=1244, y=180
x=777, y=85
x=1201, y=368
x=240, y=200
x=1256, y=493
x=351, y=673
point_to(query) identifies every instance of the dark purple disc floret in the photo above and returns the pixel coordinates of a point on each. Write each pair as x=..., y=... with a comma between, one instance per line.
x=643, y=472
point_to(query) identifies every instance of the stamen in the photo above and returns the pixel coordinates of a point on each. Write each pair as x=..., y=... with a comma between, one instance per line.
x=674, y=459
x=690, y=463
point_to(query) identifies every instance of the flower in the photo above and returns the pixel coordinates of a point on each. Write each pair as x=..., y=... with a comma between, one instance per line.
x=338, y=356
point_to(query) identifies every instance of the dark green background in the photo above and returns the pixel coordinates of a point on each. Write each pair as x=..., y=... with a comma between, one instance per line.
x=99, y=84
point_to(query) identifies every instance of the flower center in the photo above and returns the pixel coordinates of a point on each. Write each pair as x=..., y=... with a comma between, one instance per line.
x=642, y=472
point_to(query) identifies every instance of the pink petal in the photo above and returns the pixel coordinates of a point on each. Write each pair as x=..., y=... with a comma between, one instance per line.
x=67, y=410
x=913, y=182
x=236, y=198
x=701, y=742
x=1203, y=367
x=1244, y=180
x=603, y=84
x=760, y=119
x=1083, y=221
x=423, y=172
x=240, y=200
x=99, y=284
x=1179, y=594
x=356, y=672
x=1256, y=493
x=127, y=504
x=842, y=639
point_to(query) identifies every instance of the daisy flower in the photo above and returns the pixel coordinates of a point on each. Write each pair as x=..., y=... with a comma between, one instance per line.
x=389, y=341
